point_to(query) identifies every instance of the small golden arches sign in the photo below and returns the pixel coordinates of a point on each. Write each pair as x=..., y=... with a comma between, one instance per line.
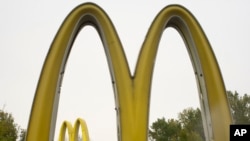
x=132, y=92
x=73, y=131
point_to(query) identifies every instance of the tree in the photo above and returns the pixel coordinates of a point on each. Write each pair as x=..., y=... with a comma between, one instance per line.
x=191, y=122
x=163, y=130
x=8, y=129
x=187, y=128
x=240, y=107
x=22, y=135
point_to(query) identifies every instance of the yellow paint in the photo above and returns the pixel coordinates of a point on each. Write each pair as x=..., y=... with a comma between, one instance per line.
x=73, y=131
x=132, y=91
x=66, y=126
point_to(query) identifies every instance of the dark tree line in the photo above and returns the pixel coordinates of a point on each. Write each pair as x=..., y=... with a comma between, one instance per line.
x=188, y=126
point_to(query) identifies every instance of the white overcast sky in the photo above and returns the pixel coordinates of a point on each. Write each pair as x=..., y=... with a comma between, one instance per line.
x=27, y=29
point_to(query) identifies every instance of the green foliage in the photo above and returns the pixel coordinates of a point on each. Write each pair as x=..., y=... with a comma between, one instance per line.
x=163, y=130
x=8, y=129
x=240, y=107
x=189, y=126
x=22, y=135
x=192, y=123
x=189, y=136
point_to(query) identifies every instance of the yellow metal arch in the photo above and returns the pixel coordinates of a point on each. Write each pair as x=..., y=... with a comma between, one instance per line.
x=66, y=126
x=44, y=109
x=213, y=99
x=85, y=133
x=132, y=93
x=73, y=131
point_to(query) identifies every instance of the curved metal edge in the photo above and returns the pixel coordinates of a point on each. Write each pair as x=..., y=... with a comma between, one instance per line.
x=45, y=104
x=213, y=99
x=184, y=31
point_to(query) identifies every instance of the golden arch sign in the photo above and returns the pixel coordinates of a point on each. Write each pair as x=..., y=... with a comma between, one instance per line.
x=73, y=131
x=132, y=92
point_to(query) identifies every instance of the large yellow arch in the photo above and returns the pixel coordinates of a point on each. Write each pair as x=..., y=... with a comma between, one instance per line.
x=132, y=92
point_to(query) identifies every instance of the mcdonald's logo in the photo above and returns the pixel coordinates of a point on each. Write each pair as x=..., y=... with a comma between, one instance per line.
x=132, y=92
x=73, y=131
